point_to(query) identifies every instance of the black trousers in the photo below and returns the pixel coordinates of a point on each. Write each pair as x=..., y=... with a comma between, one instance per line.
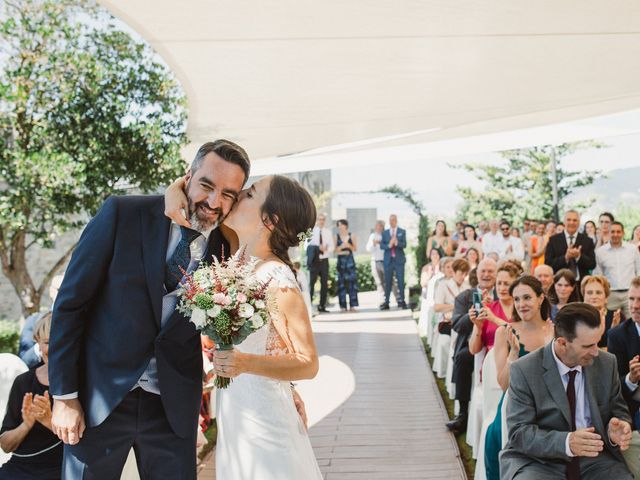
x=463, y=374
x=320, y=269
x=139, y=422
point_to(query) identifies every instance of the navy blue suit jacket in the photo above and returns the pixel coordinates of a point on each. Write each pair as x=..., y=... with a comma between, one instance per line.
x=401, y=234
x=106, y=322
x=623, y=341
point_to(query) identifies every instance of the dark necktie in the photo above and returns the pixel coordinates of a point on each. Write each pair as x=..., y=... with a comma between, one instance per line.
x=320, y=241
x=573, y=266
x=180, y=259
x=573, y=469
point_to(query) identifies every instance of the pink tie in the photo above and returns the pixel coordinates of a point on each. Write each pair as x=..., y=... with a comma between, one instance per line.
x=393, y=249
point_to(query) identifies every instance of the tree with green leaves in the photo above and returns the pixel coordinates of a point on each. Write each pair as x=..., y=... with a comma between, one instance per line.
x=521, y=187
x=86, y=111
x=420, y=250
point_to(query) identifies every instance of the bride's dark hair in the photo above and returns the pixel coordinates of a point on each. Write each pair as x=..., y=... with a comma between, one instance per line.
x=291, y=211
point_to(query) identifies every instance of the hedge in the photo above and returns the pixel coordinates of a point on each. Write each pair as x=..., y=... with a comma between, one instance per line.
x=366, y=283
x=9, y=337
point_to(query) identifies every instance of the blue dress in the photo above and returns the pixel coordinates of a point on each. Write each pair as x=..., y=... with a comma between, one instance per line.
x=493, y=438
x=347, y=277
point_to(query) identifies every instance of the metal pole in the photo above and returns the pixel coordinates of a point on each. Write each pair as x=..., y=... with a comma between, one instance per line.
x=554, y=184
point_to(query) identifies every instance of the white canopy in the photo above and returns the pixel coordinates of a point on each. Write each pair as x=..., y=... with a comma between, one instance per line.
x=282, y=77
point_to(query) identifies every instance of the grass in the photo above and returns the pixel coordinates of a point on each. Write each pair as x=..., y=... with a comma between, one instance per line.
x=466, y=453
x=210, y=435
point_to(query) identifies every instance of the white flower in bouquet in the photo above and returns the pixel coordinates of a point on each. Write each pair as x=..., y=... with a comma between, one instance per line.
x=245, y=310
x=260, y=305
x=256, y=320
x=198, y=318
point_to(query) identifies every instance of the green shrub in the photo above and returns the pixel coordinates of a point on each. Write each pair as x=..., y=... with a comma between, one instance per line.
x=366, y=283
x=9, y=337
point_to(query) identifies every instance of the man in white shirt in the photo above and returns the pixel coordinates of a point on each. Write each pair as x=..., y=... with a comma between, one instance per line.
x=492, y=241
x=619, y=262
x=318, y=253
x=566, y=416
x=511, y=247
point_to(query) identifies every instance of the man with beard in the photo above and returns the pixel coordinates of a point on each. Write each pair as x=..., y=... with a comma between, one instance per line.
x=125, y=366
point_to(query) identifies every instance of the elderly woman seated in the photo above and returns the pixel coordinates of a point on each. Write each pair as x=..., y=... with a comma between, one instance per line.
x=26, y=429
x=595, y=291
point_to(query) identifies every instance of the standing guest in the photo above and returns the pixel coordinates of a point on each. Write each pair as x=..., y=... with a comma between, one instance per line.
x=565, y=290
x=462, y=358
x=511, y=248
x=619, y=262
x=635, y=236
x=494, y=314
x=566, y=416
x=591, y=231
x=595, y=291
x=483, y=228
x=537, y=246
x=377, y=260
x=393, y=243
x=544, y=273
x=528, y=331
x=571, y=249
x=551, y=228
x=560, y=228
x=346, y=244
x=469, y=241
x=472, y=256
x=624, y=342
x=492, y=241
x=26, y=429
x=440, y=240
x=605, y=220
x=528, y=230
x=318, y=253
x=459, y=232
x=515, y=232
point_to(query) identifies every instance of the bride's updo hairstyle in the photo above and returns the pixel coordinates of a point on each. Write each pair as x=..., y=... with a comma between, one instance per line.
x=291, y=211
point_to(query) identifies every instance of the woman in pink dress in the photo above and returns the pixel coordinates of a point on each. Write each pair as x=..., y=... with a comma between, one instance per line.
x=496, y=313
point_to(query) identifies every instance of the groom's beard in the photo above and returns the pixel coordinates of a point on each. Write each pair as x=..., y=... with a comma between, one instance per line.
x=201, y=223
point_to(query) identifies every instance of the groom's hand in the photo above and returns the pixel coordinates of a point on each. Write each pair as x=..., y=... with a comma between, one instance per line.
x=297, y=400
x=67, y=420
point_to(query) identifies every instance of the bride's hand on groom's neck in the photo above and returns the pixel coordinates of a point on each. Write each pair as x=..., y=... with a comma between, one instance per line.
x=176, y=205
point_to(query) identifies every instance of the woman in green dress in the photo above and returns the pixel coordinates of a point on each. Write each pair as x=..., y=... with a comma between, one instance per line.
x=529, y=330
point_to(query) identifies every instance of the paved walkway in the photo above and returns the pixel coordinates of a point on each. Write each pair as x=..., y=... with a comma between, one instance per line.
x=374, y=409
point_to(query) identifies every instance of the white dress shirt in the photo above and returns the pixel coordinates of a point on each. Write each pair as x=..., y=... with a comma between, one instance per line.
x=618, y=264
x=327, y=241
x=583, y=412
x=149, y=379
x=517, y=249
x=492, y=242
x=377, y=254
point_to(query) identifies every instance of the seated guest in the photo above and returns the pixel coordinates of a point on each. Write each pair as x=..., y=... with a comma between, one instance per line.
x=454, y=282
x=472, y=256
x=26, y=429
x=495, y=313
x=623, y=341
x=595, y=292
x=564, y=290
x=528, y=331
x=544, y=273
x=566, y=415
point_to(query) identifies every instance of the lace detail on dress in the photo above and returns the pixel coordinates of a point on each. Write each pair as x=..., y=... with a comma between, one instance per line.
x=282, y=278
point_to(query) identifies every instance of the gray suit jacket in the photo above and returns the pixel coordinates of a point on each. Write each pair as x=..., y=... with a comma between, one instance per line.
x=538, y=415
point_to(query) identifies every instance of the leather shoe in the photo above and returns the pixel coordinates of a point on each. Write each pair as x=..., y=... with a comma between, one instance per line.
x=402, y=306
x=322, y=310
x=458, y=425
x=384, y=306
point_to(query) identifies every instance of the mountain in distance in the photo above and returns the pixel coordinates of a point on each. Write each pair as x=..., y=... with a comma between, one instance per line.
x=621, y=186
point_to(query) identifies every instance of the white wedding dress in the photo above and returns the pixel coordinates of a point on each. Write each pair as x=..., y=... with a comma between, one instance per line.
x=260, y=434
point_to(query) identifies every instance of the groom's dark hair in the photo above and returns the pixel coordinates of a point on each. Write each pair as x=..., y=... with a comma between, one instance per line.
x=228, y=151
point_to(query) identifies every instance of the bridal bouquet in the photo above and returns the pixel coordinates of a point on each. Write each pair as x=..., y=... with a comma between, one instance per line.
x=226, y=302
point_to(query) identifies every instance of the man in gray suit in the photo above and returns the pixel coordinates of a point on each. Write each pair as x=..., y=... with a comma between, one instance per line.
x=566, y=415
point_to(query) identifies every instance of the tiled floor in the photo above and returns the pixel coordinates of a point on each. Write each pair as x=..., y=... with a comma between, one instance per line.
x=374, y=409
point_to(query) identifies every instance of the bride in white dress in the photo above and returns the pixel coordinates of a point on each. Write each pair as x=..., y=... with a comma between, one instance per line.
x=260, y=433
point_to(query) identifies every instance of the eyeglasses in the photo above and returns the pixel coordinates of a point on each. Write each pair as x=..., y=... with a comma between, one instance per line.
x=505, y=229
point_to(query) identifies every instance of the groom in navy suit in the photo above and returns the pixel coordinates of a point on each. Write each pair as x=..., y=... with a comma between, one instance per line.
x=393, y=243
x=125, y=367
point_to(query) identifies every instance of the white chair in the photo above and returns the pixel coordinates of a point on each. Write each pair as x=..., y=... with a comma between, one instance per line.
x=441, y=357
x=474, y=423
x=491, y=393
x=10, y=367
x=423, y=322
x=431, y=316
x=450, y=386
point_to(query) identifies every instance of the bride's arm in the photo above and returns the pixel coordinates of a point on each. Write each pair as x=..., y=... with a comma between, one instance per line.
x=176, y=204
x=301, y=364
